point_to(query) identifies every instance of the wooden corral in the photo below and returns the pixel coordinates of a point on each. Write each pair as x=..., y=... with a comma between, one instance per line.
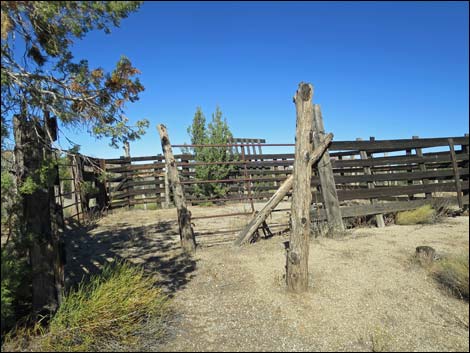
x=371, y=177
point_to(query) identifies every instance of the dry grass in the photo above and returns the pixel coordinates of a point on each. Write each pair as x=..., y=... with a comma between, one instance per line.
x=107, y=312
x=452, y=273
x=422, y=215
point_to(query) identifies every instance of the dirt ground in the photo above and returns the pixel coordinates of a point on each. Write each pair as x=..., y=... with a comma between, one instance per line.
x=365, y=294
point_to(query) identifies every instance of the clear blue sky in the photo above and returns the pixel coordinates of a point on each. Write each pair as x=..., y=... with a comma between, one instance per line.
x=389, y=70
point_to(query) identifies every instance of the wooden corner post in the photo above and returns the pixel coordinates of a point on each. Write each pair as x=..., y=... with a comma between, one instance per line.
x=297, y=251
x=188, y=242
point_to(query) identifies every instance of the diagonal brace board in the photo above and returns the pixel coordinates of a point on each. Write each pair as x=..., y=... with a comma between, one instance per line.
x=247, y=233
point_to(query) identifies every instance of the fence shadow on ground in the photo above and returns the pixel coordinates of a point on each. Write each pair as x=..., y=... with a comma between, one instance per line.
x=155, y=247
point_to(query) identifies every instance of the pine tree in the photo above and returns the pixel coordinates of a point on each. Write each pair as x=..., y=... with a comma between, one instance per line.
x=217, y=132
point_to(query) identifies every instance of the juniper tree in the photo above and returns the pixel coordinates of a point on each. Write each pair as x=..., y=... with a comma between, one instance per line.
x=39, y=74
x=216, y=132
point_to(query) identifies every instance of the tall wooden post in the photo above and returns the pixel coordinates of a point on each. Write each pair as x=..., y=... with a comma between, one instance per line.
x=455, y=167
x=379, y=218
x=102, y=199
x=188, y=242
x=465, y=150
x=297, y=252
x=128, y=174
x=327, y=180
x=422, y=167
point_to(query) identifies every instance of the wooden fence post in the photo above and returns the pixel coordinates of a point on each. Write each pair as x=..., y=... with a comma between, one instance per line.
x=128, y=174
x=465, y=150
x=102, y=199
x=455, y=167
x=410, y=170
x=379, y=218
x=297, y=251
x=187, y=238
x=167, y=189
x=422, y=167
x=327, y=180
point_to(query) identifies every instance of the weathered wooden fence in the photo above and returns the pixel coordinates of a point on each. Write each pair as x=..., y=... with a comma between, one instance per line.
x=371, y=177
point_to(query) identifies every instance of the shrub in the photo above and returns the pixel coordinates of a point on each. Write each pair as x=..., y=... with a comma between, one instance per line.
x=7, y=290
x=421, y=215
x=14, y=274
x=109, y=310
x=452, y=273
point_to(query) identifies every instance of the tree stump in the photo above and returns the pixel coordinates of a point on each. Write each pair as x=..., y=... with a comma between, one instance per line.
x=425, y=254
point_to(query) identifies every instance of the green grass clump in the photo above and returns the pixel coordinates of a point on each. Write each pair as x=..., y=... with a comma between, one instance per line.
x=109, y=310
x=452, y=273
x=421, y=215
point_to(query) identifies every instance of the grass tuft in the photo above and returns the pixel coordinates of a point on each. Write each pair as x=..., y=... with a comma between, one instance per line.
x=422, y=215
x=452, y=273
x=110, y=309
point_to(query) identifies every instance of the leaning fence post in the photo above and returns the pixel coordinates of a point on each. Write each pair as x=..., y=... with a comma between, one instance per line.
x=327, y=180
x=188, y=242
x=298, y=248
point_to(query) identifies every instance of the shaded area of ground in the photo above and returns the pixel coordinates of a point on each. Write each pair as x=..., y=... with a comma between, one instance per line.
x=154, y=245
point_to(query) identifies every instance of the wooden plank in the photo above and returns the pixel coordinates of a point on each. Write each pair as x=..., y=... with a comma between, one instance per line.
x=134, y=167
x=188, y=241
x=379, y=218
x=395, y=145
x=135, y=192
x=298, y=249
x=405, y=160
x=325, y=172
x=385, y=207
x=397, y=190
x=458, y=185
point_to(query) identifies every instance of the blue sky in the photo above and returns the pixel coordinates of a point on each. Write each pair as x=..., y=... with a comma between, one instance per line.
x=389, y=70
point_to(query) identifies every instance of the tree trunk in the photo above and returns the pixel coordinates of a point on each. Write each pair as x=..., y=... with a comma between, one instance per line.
x=38, y=213
x=297, y=252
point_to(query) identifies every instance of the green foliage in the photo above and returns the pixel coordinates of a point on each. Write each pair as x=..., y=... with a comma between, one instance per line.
x=46, y=76
x=88, y=188
x=216, y=132
x=8, y=186
x=108, y=309
x=421, y=215
x=7, y=289
x=44, y=177
x=13, y=272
